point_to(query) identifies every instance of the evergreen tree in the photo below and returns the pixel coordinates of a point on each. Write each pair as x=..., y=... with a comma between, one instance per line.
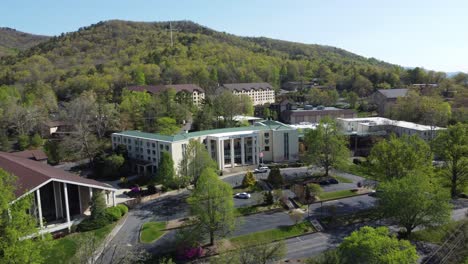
x=249, y=180
x=166, y=171
x=98, y=205
x=275, y=178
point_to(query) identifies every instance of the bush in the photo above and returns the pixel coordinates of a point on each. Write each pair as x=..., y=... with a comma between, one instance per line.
x=113, y=213
x=268, y=198
x=123, y=209
x=36, y=141
x=152, y=189
x=249, y=180
x=23, y=142
x=91, y=224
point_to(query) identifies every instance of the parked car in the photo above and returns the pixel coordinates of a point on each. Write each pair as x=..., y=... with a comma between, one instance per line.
x=242, y=195
x=333, y=181
x=262, y=169
x=324, y=182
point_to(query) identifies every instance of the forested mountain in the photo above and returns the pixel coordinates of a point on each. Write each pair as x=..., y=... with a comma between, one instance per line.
x=118, y=53
x=12, y=41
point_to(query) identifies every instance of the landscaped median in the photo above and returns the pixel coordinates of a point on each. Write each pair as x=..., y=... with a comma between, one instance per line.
x=276, y=234
x=327, y=196
x=255, y=209
x=152, y=231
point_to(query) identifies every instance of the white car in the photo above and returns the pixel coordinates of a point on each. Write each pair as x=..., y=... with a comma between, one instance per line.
x=242, y=195
x=261, y=169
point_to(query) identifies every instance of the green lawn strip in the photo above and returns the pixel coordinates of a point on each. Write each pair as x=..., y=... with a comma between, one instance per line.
x=151, y=231
x=325, y=196
x=437, y=234
x=357, y=170
x=247, y=210
x=276, y=234
x=65, y=248
x=342, y=179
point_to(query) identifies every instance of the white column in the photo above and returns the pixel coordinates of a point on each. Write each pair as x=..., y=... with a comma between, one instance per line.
x=242, y=151
x=208, y=145
x=254, y=150
x=39, y=207
x=232, y=152
x=67, y=208
x=79, y=200
x=113, y=198
x=218, y=154
x=90, y=193
x=221, y=152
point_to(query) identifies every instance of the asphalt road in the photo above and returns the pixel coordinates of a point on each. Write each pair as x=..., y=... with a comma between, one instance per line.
x=343, y=206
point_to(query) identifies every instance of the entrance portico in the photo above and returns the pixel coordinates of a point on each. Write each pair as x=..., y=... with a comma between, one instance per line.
x=234, y=149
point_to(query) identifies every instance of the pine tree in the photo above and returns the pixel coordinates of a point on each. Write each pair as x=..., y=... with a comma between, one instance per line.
x=249, y=180
x=275, y=178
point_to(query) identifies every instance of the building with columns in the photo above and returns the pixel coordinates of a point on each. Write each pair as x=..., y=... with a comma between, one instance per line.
x=266, y=141
x=61, y=199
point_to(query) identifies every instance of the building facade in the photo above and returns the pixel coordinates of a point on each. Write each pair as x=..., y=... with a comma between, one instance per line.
x=267, y=141
x=260, y=93
x=384, y=99
x=196, y=93
x=383, y=126
x=311, y=114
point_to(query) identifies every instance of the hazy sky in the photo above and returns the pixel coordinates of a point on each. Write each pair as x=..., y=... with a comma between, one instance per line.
x=427, y=33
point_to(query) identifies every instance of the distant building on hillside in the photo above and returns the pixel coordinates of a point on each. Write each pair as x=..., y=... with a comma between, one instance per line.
x=385, y=98
x=194, y=91
x=260, y=93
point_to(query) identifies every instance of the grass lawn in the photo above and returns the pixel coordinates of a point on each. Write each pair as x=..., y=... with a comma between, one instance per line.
x=151, y=231
x=65, y=248
x=342, y=179
x=438, y=234
x=358, y=170
x=271, y=235
x=325, y=196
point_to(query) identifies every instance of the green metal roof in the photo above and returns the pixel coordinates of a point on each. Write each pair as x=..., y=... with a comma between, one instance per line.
x=264, y=125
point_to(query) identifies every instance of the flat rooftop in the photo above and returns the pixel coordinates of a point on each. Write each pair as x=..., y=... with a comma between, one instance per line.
x=380, y=121
x=259, y=126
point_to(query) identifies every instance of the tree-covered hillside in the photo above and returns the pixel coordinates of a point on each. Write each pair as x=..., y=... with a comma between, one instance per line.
x=13, y=41
x=116, y=52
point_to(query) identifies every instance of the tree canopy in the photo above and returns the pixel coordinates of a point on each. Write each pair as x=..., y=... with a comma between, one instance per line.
x=376, y=246
x=212, y=205
x=327, y=148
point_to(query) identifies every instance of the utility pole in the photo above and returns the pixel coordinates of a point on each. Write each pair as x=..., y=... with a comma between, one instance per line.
x=170, y=28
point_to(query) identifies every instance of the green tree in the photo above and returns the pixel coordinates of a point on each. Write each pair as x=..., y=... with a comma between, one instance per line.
x=98, y=205
x=249, y=180
x=326, y=146
x=195, y=159
x=400, y=156
x=113, y=164
x=212, y=205
x=53, y=151
x=166, y=126
x=376, y=246
x=23, y=142
x=36, y=141
x=4, y=143
x=15, y=224
x=352, y=99
x=312, y=190
x=413, y=201
x=362, y=86
x=451, y=145
x=275, y=178
x=166, y=171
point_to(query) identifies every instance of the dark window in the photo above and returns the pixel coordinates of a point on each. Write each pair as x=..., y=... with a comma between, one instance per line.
x=267, y=134
x=153, y=145
x=286, y=146
x=267, y=148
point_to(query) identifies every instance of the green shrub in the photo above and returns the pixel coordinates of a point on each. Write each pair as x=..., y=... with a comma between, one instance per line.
x=36, y=141
x=93, y=223
x=113, y=213
x=23, y=142
x=123, y=209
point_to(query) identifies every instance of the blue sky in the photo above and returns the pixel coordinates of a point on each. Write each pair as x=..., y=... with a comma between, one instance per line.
x=431, y=34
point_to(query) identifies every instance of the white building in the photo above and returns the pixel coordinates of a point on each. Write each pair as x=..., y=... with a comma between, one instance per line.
x=376, y=125
x=260, y=93
x=267, y=141
x=194, y=91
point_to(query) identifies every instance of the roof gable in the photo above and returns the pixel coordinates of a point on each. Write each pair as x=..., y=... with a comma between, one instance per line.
x=393, y=93
x=247, y=86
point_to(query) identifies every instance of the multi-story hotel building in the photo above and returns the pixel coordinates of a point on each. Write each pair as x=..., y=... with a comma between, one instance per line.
x=260, y=93
x=267, y=141
x=196, y=92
